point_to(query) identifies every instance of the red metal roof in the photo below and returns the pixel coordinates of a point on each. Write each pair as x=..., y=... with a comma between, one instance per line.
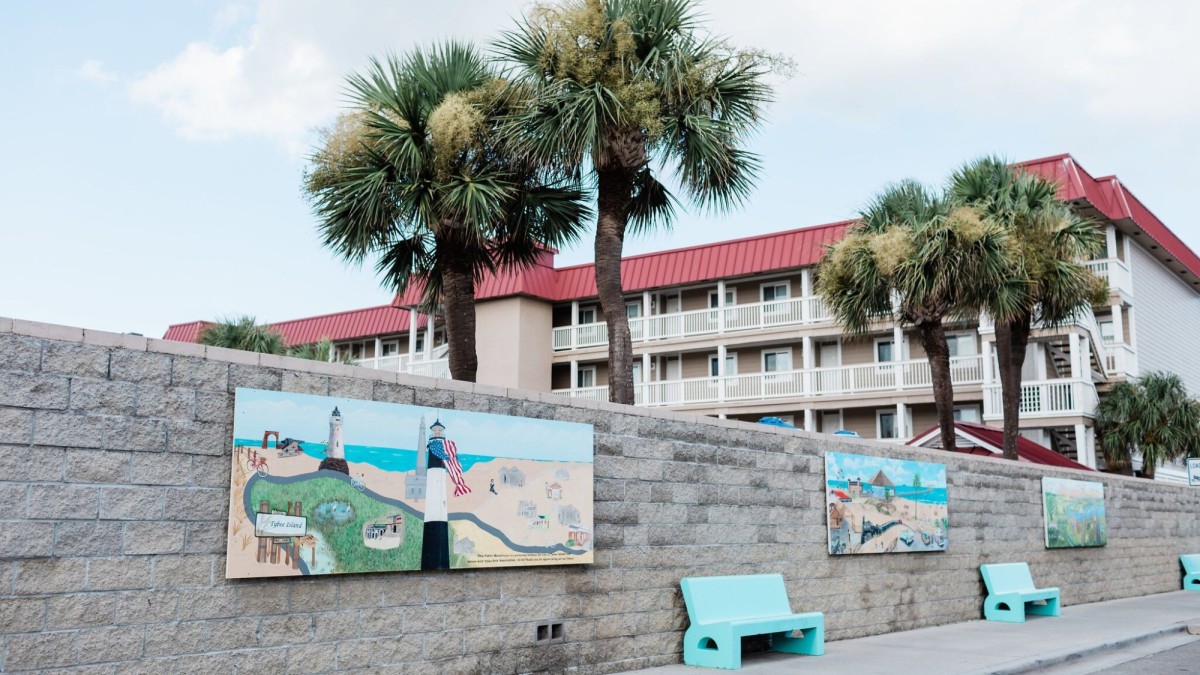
x=537, y=281
x=1117, y=203
x=989, y=438
x=355, y=323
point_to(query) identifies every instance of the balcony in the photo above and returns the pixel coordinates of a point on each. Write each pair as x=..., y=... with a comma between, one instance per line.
x=814, y=382
x=1120, y=360
x=1045, y=398
x=1115, y=272
x=753, y=316
x=402, y=364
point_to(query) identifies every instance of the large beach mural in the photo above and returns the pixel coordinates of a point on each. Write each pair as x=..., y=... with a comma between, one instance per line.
x=882, y=505
x=324, y=485
x=1074, y=513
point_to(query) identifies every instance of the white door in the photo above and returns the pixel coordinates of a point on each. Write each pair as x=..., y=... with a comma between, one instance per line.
x=671, y=304
x=829, y=355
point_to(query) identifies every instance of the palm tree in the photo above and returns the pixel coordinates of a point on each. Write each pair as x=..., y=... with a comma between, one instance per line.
x=417, y=177
x=243, y=333
x=921, y=260
x=319, y=351
x=625, y=84
x=1153, y=417
x=1046, y=283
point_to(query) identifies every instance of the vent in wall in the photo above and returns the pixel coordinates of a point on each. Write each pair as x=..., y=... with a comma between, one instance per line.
x=549, y=632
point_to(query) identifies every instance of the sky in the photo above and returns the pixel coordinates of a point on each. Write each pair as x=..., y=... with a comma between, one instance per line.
x=153, y=152
x=393, y=425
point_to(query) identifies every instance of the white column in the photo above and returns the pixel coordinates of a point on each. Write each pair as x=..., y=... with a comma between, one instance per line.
x=1118, y=322
x=429, y=337
x=720, y=305
x=412, y=334
x=1110, y=241
x=985, y=361
x=574, y=325
x=1076, y=369
x=721, y=372
x=806, y=282
x=645, y=377
x=807, y=359
x=898, y=353
x=810, y=419
x=378, y=350
x=1080, y=443
x=901, y=420
x=646, y=323
x=574, y=374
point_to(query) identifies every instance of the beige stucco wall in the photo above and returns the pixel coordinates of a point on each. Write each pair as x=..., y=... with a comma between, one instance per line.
x=512, y=339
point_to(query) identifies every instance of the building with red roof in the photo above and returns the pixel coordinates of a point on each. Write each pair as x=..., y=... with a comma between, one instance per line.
x=734, y=329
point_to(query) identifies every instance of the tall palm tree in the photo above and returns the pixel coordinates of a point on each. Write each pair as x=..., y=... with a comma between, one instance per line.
x=417, y=176
x=1153, y=417
x=1047, y=283
x=920, y=260
x=243, y=332
x=622, y=86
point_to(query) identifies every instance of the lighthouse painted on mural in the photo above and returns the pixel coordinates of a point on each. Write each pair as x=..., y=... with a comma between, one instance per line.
x=442, y=463
x=335, y=447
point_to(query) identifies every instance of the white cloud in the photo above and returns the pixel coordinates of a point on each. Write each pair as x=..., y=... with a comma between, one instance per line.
x=94, y=71
x=1103, y=61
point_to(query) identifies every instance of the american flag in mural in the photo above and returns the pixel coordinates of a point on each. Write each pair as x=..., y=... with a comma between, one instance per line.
x=446, y=451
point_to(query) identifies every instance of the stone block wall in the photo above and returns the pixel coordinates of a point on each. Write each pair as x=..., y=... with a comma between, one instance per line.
x=114, y=470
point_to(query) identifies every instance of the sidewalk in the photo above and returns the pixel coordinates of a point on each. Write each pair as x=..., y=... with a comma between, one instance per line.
x=978, y=647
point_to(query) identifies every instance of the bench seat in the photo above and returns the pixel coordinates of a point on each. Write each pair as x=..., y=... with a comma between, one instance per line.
x=1191, y=572
x=1012, y=595
x=723, y=610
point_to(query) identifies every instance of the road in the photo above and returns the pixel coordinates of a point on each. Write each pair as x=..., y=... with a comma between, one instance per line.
x=1185, y=659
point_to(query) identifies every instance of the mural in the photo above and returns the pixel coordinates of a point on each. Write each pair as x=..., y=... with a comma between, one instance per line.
x=324, y=485
x=1074, y=512
x=881, y=505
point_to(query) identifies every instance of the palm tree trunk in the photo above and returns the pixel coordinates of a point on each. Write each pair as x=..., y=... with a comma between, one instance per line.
x=458, y=302
x=933, y=339
x=614, y=187
x=1012, y=339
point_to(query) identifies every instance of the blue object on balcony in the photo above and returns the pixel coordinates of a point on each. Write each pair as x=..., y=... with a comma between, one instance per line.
x=845, y=432
x=776, y=422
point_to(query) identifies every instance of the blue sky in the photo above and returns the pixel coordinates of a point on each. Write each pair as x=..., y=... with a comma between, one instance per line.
x=153, y=151
x=392, y=425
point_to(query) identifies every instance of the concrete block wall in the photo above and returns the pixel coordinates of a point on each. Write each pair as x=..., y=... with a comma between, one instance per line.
x=114, y=470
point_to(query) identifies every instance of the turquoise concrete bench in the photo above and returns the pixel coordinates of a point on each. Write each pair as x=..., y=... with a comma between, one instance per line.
x=723, y=610
x=1012, y=595
x=1191, y=572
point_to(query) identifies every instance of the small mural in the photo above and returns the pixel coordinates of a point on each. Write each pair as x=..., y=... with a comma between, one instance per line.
x=397, y=487
x=883, y=505
x=1074, y=513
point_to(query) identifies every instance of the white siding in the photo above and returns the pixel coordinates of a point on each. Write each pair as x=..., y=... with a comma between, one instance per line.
x=1166, y=318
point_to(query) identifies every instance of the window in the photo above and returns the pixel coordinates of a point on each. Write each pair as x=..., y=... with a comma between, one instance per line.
x=884, y=351
x=966, y=414
x=961, y=344
x=1107, y=332
x=774, y=292
x=420, y=342
x=587, y=315
x=730, y=364
x=776, y=360
x=637, y=372
x=391, y=348
x=586, y=377
x=730, y=298
x=633, y=310
x=886, y=424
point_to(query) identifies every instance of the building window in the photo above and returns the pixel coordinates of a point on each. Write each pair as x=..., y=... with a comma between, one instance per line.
x=586, y=377
x=1107, y=333
x=885, y=351
x=885, y=424
x=776, y=360
x=633, y=310
x=637, y=372
x=420, y=342
x=776, y=291
x=730, y=298
x=391, y=348
x=730, y=364
x=587, y=315
x=961, y=344
x=966, y=414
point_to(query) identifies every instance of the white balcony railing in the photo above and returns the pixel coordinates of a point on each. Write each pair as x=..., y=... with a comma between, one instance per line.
x=754, y=316
x=837, y=381
x=1045, y=398
x=402, y=364
x=1120, y=359
x=1115, y=272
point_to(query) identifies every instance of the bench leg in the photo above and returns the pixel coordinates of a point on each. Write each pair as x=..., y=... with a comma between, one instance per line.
x=1009, y=608
x=812, y=642
x=1191, y=582
x=712, y=649
x=1051, y=608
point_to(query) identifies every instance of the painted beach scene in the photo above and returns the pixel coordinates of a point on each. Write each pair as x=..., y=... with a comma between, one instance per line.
x=883, y=505
x=1074, y=513
x=326, y=485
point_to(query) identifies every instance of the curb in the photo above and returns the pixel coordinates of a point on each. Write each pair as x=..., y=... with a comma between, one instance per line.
x=1063, y=656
